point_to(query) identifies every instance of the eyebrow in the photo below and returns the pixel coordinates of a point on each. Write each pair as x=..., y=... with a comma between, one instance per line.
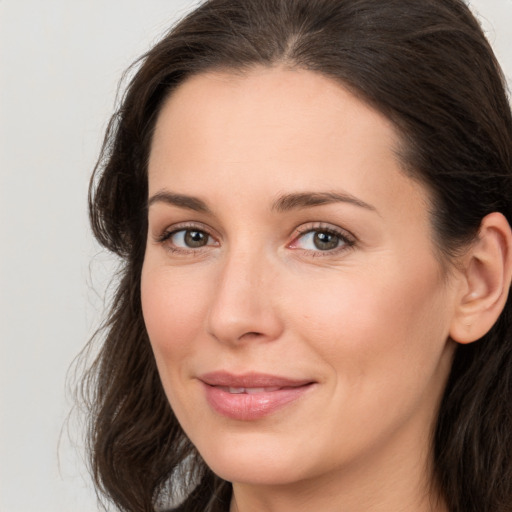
x=309, y=199
x=283, y=203
x=180, y=200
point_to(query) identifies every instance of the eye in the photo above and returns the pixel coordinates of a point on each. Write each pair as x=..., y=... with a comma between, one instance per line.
x=187, y=239
x=322, y=239
x=190, y=238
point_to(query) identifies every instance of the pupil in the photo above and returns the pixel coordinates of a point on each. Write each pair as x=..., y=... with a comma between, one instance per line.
x=325, y=241
x=195, y=239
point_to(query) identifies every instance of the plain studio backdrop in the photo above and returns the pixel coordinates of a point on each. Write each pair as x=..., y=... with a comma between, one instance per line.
x=60, y=63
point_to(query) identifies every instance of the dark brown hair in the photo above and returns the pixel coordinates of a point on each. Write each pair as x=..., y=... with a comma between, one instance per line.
x=426, y=65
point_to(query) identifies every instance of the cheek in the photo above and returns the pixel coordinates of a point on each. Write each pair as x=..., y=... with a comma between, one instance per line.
x=383, y=338
x=379, y=320
x=173, y=309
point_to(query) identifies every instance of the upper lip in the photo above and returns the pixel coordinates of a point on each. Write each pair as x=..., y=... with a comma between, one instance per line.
x=250, y=380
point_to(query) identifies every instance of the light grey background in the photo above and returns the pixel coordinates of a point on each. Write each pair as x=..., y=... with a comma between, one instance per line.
x=60, y=62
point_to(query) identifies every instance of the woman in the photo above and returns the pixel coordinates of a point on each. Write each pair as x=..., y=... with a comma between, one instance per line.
x=311, y=200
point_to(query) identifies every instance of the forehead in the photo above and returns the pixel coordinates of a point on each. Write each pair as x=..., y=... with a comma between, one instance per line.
x=272, y=129
x=267, y=102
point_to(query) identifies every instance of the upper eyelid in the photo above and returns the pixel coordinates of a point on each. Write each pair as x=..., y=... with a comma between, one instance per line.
x=183, y=226
x=321, y=226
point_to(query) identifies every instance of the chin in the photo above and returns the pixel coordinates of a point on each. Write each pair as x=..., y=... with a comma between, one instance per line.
x=255, y=461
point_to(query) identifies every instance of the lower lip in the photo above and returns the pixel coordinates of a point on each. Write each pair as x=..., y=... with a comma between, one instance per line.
x=248, y=407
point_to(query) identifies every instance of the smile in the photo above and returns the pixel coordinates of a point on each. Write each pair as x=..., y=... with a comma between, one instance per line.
x=248, y=391
x=252, y=396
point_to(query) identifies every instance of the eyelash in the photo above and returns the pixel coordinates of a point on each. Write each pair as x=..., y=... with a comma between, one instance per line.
x=165, y=238
x=345, y=240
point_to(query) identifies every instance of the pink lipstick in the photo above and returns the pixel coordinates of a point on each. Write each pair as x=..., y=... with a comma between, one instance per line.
x=251, y=396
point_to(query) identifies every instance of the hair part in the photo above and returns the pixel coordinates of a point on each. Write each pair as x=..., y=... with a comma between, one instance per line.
x=426, y=66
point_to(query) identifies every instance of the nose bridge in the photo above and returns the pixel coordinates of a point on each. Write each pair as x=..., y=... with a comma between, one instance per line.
x=241, y=304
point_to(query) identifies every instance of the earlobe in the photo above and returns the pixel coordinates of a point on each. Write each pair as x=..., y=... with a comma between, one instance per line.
x=487, y=277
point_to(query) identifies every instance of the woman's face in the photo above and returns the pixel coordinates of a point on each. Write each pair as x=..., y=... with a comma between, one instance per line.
x=291, y=291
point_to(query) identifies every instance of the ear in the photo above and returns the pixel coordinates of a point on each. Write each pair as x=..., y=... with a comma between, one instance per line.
x=485, y=281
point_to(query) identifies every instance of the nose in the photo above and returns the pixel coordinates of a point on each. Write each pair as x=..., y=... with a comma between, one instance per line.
x=243, y=305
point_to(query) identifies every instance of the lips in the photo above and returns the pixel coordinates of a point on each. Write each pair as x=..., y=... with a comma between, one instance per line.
x=248, y=391
x=251, y=396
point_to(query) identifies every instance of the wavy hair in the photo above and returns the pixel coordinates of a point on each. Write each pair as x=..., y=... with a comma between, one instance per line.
x=425, y=65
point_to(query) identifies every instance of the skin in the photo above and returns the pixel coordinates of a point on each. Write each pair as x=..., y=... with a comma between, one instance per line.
x=368, y=321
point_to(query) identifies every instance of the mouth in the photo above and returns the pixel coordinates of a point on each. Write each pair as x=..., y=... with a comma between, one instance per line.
x=251, y=396
x=248, y=391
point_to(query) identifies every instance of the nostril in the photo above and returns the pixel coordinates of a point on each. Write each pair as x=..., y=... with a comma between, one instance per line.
x=251, y=334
